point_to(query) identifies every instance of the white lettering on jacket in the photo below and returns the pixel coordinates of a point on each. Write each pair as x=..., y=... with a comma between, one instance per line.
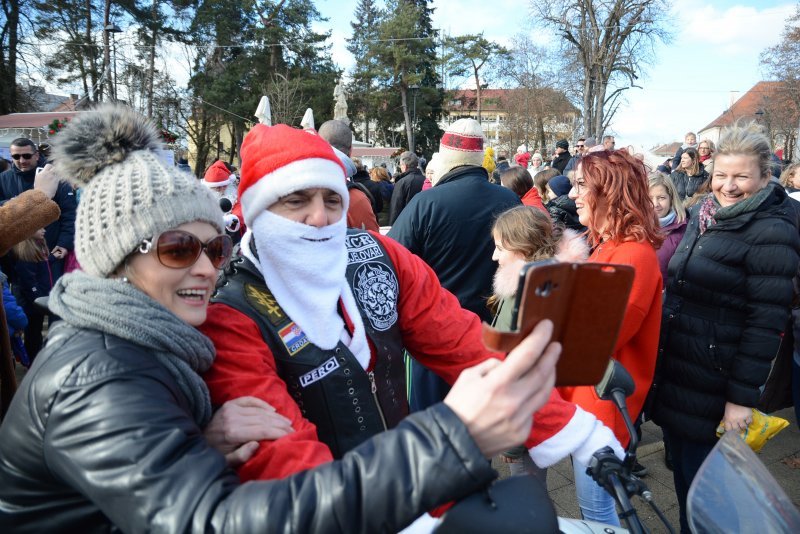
x=319, y=373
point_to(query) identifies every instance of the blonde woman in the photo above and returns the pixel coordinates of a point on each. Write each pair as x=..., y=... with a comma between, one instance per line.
x=671, y=217
x=727, y=303
x=382, y=178
x=790, y=178
x=706, y=150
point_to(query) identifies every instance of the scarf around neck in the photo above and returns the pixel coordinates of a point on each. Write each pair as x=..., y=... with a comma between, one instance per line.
x=304, y=268
x=114, y=307
x=711, y=212
x=667, y=219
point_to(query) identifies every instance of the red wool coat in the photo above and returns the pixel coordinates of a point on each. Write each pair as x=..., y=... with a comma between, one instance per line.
x=637, y=345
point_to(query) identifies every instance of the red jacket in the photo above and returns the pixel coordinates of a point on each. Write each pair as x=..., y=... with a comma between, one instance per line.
x=360, y=214
x=637, y=345
x=534, y=200
x=442, y=336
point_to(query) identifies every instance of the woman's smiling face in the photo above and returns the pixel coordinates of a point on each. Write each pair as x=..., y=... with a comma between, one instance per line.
x=736, y=177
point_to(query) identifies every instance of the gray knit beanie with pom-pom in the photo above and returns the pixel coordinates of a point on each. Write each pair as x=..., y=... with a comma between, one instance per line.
x=128, y=193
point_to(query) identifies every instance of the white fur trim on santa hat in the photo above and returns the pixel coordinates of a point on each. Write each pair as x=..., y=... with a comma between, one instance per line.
x=221, y=183
x=301, y=174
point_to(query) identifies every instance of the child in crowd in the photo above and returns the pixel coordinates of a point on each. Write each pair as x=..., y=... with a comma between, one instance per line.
x=33, y=279
x=16, y=321
x=521, y=235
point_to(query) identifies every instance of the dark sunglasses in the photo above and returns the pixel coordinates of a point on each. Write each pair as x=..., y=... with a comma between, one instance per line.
x=177, y=249
x=16, y=157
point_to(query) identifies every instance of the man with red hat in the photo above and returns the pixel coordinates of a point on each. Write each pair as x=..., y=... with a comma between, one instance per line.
x=314, y=317
x=219, y=179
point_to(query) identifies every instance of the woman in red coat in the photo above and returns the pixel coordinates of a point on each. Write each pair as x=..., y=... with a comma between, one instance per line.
x=611, y=193
x=519, y=180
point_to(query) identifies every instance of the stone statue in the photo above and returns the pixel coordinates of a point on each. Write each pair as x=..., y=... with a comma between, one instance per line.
x=340, y=105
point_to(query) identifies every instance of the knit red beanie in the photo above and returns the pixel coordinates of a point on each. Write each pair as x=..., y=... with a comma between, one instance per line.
x=279, y=160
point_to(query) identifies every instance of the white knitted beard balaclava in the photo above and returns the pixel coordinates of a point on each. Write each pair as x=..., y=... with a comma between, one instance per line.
x=304, y=268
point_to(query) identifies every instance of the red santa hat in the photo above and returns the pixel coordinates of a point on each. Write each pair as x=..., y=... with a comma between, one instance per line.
x=279, y=160
x=217, y=175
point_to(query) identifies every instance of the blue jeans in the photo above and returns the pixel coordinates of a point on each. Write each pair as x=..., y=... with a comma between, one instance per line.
x=687, y=457
x=595, y=502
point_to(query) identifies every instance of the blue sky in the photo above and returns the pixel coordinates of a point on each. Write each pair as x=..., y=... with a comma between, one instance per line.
x=713, y=57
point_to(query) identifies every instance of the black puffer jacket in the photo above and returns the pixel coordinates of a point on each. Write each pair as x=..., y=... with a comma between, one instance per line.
x=728, y=298
x=563, y=210
x=450, y=228
x=99, y=438
x=688, y=185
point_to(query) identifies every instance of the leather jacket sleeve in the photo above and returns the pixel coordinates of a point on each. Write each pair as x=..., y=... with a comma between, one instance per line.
x=121, y=438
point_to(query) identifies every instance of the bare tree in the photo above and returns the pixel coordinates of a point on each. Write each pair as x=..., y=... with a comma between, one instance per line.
x=537, y=95
x=285, y=99
x=781, y=62
x=610, y=41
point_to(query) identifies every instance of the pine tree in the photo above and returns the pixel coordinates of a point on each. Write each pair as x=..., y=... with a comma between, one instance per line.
x=365, y=33
x=405, y=67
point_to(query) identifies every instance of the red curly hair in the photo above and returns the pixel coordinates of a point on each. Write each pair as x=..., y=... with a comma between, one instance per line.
x=621, y=180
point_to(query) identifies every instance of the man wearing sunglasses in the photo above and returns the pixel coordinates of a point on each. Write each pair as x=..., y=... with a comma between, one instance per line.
x=314, y=318
x=59, y=235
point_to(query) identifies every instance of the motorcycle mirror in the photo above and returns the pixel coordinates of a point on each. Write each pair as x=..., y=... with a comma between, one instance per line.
x=617, y=378
x=225, y=205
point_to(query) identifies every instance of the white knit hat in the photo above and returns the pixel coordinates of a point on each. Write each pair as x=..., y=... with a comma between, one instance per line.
x=461, y=144
x=129, y=194
x=279, y=160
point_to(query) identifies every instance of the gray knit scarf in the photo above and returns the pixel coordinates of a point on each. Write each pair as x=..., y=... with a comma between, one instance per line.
x=120, y=309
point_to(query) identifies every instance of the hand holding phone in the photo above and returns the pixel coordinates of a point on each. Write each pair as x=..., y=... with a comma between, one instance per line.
x=46, y=180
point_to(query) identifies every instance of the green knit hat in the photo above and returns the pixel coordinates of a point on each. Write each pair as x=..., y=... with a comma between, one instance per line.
x=128, y=193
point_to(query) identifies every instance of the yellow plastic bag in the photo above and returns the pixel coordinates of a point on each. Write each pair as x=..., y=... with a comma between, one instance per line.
x=763, y=428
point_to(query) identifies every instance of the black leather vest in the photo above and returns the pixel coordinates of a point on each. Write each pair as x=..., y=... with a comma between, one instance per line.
x=347, y=404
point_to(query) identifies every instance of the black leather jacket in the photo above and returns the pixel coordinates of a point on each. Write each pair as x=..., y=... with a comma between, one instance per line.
x=99, y=438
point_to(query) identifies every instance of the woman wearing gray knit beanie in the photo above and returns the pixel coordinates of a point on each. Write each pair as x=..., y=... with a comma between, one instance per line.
x=107, y=429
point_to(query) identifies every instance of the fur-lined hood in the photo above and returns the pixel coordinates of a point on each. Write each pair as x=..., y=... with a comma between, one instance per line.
x=572, y=247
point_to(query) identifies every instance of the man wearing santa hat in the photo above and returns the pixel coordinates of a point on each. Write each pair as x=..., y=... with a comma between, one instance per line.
x=221, y=180
x=314, y=317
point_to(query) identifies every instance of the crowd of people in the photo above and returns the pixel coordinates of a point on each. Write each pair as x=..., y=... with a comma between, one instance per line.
x=264, y=325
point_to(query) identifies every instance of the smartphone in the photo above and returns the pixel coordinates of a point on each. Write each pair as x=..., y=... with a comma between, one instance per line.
x=586, y=303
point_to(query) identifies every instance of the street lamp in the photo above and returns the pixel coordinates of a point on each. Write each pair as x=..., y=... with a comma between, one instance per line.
x=414, y=88
x=111, y=29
